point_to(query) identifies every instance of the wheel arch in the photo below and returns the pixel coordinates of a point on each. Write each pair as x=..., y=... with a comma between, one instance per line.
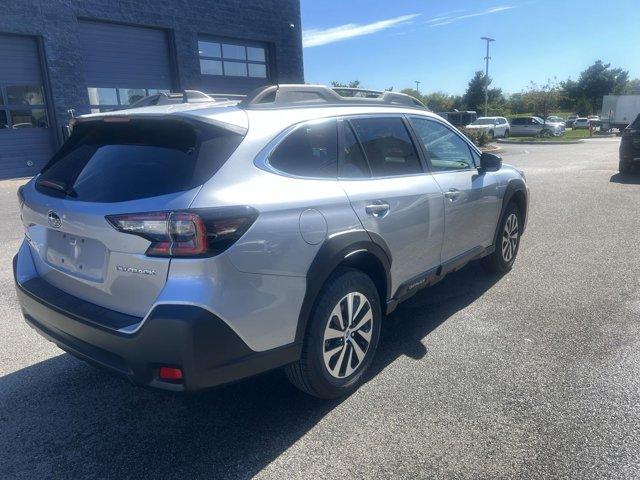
x=354, y=249
x=516, y=191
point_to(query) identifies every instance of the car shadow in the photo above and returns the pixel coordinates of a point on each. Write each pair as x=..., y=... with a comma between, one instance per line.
x=62, y=418
x=632, y=178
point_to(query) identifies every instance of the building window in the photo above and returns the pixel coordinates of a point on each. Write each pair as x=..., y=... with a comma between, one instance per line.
x=107, y=99
x=232, y=59
x=22, y=106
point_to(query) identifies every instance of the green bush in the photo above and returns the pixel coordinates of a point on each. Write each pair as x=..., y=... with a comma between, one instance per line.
x=479, y=137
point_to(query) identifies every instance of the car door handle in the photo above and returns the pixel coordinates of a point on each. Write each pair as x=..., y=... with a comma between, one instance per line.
x=377, y=209
x=452, y=194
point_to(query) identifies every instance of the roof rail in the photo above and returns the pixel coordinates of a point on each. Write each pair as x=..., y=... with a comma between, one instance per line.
x=187, y=96
x=291, y=96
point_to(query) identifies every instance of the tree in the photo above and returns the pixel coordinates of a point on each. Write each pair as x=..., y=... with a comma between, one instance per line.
x=541, y=99
x=516, y=103
x=473, y=98
x=351, y=84
x=439, y=101
x=632, y=87
x=594, y=83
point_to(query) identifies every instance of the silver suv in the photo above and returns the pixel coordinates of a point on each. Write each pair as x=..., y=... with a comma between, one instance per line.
x=186, y=245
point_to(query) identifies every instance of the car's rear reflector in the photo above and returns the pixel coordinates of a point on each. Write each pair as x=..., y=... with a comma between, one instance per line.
x=170, y=373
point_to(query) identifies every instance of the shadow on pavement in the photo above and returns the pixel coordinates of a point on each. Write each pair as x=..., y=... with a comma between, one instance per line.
x=632, y=178
x=63, y=419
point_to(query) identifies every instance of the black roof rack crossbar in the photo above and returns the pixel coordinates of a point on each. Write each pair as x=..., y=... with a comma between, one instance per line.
x=283, y=96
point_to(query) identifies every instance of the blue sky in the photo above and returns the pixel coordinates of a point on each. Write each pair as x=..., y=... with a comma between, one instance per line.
x=386, y=43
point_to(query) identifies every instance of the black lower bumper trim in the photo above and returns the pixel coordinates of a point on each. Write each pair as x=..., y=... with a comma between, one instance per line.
x=207, y=350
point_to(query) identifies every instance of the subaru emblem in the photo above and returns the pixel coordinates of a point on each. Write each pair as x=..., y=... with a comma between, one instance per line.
x=54, y=219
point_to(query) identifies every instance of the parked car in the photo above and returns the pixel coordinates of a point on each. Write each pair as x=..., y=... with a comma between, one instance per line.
x=582, y=122
x=570, y=120
x=534, y=127
x=630, y=147
x=242, y=239
x=493, y=126
x=555, y=119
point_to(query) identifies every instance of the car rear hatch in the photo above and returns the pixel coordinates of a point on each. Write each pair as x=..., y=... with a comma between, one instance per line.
x=118, y=166
x=630, y=145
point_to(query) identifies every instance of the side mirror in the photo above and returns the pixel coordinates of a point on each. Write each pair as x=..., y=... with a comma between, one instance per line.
x=490, y=162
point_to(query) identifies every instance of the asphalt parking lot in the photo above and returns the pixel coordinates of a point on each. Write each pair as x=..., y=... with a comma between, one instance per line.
x=532, y=375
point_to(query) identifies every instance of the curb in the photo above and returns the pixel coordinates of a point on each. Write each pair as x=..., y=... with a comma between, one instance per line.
x=491, y=149
x=541, y=142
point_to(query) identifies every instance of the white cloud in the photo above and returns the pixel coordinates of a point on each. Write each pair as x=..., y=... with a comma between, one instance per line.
x=447, y=19
x=316, y=36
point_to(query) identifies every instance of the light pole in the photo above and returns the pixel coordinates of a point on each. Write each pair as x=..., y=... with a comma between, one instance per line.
x=417, y=82
x=486, y=76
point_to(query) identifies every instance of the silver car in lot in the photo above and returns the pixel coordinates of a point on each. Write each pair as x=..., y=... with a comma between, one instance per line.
x=493, y=126
x=185, y=245
x=535, y=127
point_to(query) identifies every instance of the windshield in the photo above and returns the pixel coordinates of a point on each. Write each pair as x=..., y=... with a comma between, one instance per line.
x=484, y=121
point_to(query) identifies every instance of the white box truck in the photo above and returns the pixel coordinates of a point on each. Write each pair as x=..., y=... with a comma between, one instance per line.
x=618, y=111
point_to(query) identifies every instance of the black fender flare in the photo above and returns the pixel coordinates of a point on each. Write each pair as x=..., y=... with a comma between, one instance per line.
x=515, y=185
x=331, y=254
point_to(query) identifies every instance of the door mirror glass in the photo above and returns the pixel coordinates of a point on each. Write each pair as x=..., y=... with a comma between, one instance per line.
x=490, y=162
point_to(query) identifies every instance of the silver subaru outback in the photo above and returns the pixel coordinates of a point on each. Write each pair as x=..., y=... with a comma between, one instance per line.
x=186, y=245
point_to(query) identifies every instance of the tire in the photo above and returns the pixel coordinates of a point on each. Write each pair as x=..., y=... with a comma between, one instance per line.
x=329, y=349
x=624, y=168
x=506, y=134
x=507, y=245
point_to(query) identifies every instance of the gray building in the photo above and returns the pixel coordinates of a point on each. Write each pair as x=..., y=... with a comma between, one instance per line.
x=92, y=55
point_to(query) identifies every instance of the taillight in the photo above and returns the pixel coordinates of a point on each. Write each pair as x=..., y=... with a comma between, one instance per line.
x=187, y=233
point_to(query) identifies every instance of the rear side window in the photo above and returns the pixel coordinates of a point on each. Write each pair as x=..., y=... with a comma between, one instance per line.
x=311, y=150
x=116, y=162
x=387, y=146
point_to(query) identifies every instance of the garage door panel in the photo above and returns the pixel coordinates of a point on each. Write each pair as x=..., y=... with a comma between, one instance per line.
x=23, y=151
x=19, y=60
x=125, y=56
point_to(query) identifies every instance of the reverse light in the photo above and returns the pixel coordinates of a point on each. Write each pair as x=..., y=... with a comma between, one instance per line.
x=187, y=233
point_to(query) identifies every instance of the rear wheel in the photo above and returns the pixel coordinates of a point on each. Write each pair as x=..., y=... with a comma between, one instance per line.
x=508, y=242
x=342, y=337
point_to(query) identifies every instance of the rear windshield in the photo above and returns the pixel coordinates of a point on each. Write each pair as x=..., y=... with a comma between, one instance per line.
x=140, y=158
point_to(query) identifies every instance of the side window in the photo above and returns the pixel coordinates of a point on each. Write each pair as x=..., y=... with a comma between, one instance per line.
x=309, y=151
x=354, y=164
x=387, y=146
x=445, y=149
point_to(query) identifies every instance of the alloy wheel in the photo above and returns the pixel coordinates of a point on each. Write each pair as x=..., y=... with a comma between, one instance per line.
x=347, y=335
x=510, y=238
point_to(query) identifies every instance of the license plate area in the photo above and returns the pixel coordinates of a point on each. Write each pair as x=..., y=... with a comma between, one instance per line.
x=75, y=255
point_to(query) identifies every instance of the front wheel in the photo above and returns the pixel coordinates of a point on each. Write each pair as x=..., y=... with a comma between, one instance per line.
x=506, y=134
x=342, y=337
x=507, y=243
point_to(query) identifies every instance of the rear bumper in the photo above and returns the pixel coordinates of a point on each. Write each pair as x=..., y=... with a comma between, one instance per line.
x=192, y=338
x=629, y=151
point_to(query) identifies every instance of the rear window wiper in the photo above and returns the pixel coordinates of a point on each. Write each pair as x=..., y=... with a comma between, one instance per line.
x=56, y=185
